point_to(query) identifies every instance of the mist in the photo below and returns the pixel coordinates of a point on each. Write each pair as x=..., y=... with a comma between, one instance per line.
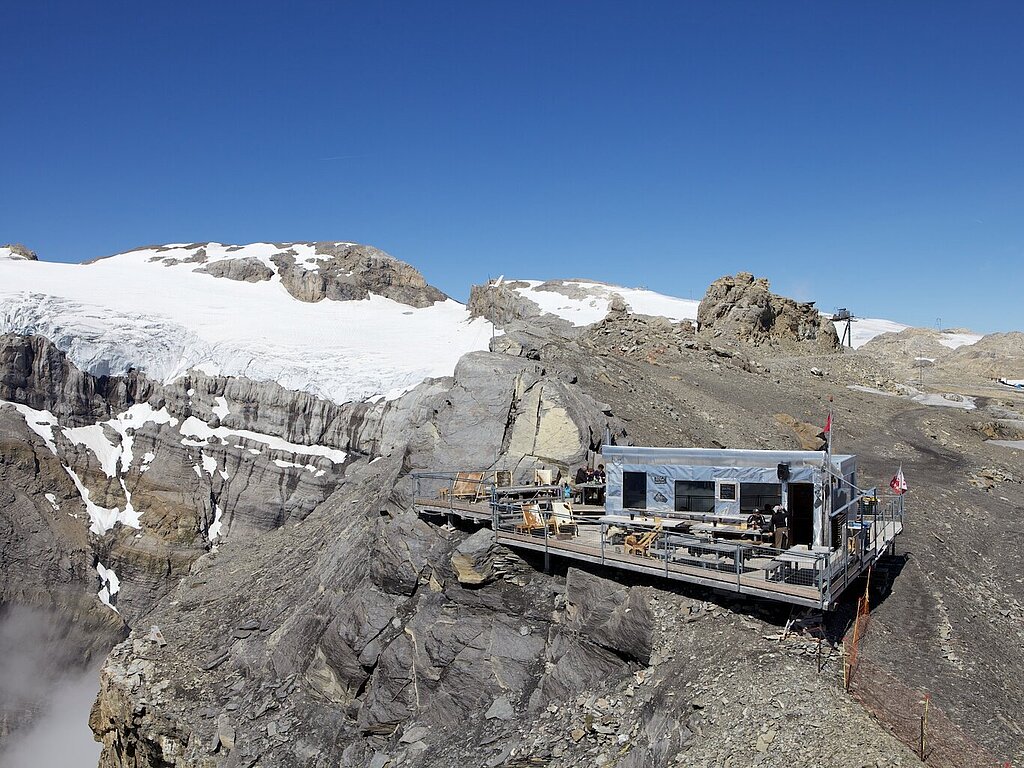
x=49, y=677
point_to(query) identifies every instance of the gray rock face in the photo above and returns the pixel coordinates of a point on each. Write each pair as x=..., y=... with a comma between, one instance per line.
x=744, y=307
x=352, y=272
x=35, y=373
x=507, y=308
x=249, y=270
x=610, y=615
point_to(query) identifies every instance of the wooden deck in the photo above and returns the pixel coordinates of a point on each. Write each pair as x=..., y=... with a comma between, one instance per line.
x=753, y=576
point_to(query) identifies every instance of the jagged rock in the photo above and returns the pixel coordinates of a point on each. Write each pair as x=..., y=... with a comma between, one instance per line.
x=321, y=632
x=744, y=307
x=504, y=306
x=473, y=561
x=351, y=272
x=501, y=709
x=615, y=617
x=808, y=436
x=248, y=269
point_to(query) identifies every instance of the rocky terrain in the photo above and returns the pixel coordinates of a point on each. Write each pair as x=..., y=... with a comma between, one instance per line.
x=281, y=604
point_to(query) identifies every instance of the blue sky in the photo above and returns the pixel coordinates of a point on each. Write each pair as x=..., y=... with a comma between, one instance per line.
x=863, y=154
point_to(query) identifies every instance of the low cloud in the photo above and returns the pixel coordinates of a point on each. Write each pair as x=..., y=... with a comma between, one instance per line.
x=45, y=695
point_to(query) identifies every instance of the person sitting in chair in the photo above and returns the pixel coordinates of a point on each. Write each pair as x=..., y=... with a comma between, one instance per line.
x=755, y=520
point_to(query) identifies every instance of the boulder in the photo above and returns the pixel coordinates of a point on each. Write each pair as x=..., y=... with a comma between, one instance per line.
x=809, y=436
x=743, y=307
x=610, y=615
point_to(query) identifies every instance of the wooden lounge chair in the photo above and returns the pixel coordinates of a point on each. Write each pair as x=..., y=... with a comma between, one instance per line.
x=468, y=486
x=531, y=523
x=639, y=545
x=561, y=521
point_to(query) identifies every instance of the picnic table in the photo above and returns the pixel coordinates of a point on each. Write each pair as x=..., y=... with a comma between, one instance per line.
x=643, y=521
x=791, y=560
x=591, y=490
x=736, y=531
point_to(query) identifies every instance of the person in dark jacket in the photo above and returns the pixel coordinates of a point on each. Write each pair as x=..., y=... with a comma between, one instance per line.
x=780, y=522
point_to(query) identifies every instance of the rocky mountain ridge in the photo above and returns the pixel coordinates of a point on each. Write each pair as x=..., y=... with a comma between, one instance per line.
x=326, y=624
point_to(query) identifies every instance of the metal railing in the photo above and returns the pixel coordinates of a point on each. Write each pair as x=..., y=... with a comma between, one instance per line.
x=525, y=512
x=740, y=565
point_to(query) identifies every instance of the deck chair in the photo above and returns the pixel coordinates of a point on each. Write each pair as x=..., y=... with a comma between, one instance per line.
x=561, y=520
x=468, y=486
x=531, y=523
x=640, y=544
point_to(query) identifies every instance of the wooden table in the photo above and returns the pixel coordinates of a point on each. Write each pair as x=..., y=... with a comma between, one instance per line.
x=592, y=490
x=643, y=521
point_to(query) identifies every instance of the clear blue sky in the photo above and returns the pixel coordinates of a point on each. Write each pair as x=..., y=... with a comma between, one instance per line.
x=866, y=154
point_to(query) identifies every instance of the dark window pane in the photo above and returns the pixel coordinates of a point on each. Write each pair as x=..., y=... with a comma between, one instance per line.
x=634, y=490
x=756, y=495
x=695, y=496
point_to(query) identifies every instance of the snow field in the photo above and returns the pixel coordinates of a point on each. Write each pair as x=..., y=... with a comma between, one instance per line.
x=129, y=311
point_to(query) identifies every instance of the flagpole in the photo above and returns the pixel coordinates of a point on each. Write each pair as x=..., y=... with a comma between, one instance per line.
x=831, y=426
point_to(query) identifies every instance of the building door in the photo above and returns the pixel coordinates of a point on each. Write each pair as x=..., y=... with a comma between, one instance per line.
x=634, y=490
x=801, y=513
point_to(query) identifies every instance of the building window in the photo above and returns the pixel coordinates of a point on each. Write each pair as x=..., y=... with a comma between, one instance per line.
x=634, y=490
x=695, y=496
x=756, y=495
x=727, y=491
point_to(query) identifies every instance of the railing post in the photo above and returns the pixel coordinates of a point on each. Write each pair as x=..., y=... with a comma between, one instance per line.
x=602, y=534
x=738, y=563
x=664, y=536
x=547, y=555
x=846, y=556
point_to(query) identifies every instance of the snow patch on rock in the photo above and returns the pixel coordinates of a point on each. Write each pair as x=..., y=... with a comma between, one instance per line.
x=110, y=585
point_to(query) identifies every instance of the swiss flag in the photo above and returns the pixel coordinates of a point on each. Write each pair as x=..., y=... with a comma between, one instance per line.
x=898, y=483
x=828, y=423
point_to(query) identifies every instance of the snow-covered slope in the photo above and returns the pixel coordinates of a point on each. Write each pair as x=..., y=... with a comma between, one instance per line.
x=584, y=303
x=150, y=310
x=864, y=329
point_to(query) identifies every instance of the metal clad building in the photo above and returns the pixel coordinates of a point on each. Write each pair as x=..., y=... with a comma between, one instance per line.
x=730, y=483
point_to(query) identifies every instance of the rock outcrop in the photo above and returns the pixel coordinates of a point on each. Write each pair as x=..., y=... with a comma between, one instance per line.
x=17, y=251
x=743, y=307
x=504, y=306
x=247, y=269
x=345, y=272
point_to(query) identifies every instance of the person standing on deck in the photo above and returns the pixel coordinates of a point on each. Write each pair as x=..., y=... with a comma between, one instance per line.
x=780, y=522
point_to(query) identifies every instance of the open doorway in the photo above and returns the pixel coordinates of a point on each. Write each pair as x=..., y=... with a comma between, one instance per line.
x=801, y=513
x=634, y=490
